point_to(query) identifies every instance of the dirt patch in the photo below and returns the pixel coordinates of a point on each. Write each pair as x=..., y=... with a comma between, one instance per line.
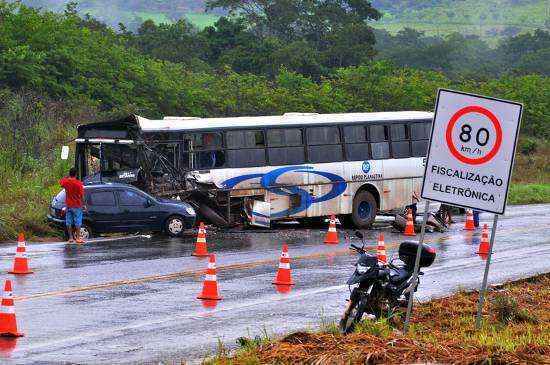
x=516, y=330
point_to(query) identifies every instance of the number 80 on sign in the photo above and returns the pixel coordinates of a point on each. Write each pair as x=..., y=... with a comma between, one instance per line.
x=474, y=135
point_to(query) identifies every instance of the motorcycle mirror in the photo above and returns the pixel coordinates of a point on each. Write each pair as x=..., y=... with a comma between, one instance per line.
x=359, y=235
x=64, y=152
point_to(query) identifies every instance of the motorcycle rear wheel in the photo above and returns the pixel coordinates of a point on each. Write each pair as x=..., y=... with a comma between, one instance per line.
x=351, y=317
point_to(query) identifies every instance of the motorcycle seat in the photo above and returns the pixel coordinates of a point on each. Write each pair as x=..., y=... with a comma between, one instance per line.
x=399, y=275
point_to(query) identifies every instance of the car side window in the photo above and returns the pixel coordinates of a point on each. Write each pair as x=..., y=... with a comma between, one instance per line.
x=102, y=198
x=129, y=197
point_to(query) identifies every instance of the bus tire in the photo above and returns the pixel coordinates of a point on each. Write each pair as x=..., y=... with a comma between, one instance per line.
x=364, y=210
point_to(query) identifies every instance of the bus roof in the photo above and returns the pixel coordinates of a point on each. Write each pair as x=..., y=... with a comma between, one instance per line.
x=169, y=124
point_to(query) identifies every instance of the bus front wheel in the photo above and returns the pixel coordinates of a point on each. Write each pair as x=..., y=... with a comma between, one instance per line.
x=364, y=210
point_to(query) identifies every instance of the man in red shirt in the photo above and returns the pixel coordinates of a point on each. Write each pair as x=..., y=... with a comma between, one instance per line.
x=74, y=194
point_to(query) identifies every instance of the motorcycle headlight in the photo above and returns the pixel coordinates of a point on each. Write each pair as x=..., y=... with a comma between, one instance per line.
x=361, y=269
x=190, y=210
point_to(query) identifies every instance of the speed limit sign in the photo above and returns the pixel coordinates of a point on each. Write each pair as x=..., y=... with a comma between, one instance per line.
x=471, y=151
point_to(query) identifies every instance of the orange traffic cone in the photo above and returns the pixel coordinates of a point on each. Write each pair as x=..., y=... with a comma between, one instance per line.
x=409, y=228
x=283, y=273
x=381, y=250
x=21, y=262
x=469, y=224
x=210, y=286
x=332, y=235
x=200, y=247
x=8, y=322
x=483, y=249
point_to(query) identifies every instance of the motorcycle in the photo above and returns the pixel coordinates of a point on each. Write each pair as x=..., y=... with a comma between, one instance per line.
x=380, y=288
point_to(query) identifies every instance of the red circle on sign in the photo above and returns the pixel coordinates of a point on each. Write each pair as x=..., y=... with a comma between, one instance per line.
x=492, y=118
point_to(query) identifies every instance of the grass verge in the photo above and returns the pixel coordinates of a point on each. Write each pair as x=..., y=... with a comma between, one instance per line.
x=25, y=200
x=516, y=329
x=529, y=194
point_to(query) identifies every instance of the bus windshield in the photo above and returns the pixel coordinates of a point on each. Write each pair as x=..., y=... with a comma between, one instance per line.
x=109, y=159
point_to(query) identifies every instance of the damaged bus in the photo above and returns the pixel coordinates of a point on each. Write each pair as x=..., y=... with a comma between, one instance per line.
x=256, y=170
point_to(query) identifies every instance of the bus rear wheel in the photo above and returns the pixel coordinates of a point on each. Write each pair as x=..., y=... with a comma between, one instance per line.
x=364, y=210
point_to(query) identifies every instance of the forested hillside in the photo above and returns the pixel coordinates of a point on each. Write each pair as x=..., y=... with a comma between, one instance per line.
x=490, y=18
x=58, y=70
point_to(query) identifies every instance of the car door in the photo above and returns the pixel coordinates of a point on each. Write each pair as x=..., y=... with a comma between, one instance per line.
x=137, y=209
x=103, y=211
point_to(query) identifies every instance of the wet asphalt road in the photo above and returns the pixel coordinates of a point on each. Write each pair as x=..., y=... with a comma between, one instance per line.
x=133, y=300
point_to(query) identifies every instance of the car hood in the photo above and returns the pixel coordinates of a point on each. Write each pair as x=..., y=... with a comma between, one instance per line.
x=179, y=203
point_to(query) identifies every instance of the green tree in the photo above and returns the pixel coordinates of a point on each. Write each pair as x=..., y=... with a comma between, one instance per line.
x=177, y=42
x=318, y=22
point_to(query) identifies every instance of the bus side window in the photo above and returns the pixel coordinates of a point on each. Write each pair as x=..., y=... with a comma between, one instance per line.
x=286, y=155
x=244, y=139
x=400, y=141
x=379, y=136
x=357, y=148
x=209, y=153
x=285, y=146
x=323, y=135
x=248, y=157
x=420, y=134
x=357, y=152
x=245, y=148
x=324, y=144
x=355, y=133
x=380, y=150
x=284, y=137
x=325, y=153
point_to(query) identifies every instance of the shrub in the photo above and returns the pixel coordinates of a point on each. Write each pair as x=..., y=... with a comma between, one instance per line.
x=528, y=146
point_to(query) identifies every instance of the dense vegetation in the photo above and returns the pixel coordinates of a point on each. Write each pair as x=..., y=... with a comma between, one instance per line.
x=58, y=70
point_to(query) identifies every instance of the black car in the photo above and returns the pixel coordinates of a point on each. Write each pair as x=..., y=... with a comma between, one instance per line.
x=111, y=207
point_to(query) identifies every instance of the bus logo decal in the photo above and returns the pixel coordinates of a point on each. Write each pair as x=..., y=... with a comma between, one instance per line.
x=269, y=182
x=366, y=167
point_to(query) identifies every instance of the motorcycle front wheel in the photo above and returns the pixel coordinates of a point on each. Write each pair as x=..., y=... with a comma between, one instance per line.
x=351, y=317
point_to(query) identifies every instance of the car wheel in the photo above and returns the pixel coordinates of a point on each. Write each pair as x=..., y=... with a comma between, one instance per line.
x=364, y=210
x=85, y=232
x=174, y=226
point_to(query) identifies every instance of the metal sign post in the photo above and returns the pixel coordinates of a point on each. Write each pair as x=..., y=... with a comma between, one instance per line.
x=470, y=160
x=486, y=274
x=416, y=266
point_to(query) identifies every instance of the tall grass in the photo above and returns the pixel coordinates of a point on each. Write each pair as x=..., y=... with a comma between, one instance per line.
x=26, y=194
